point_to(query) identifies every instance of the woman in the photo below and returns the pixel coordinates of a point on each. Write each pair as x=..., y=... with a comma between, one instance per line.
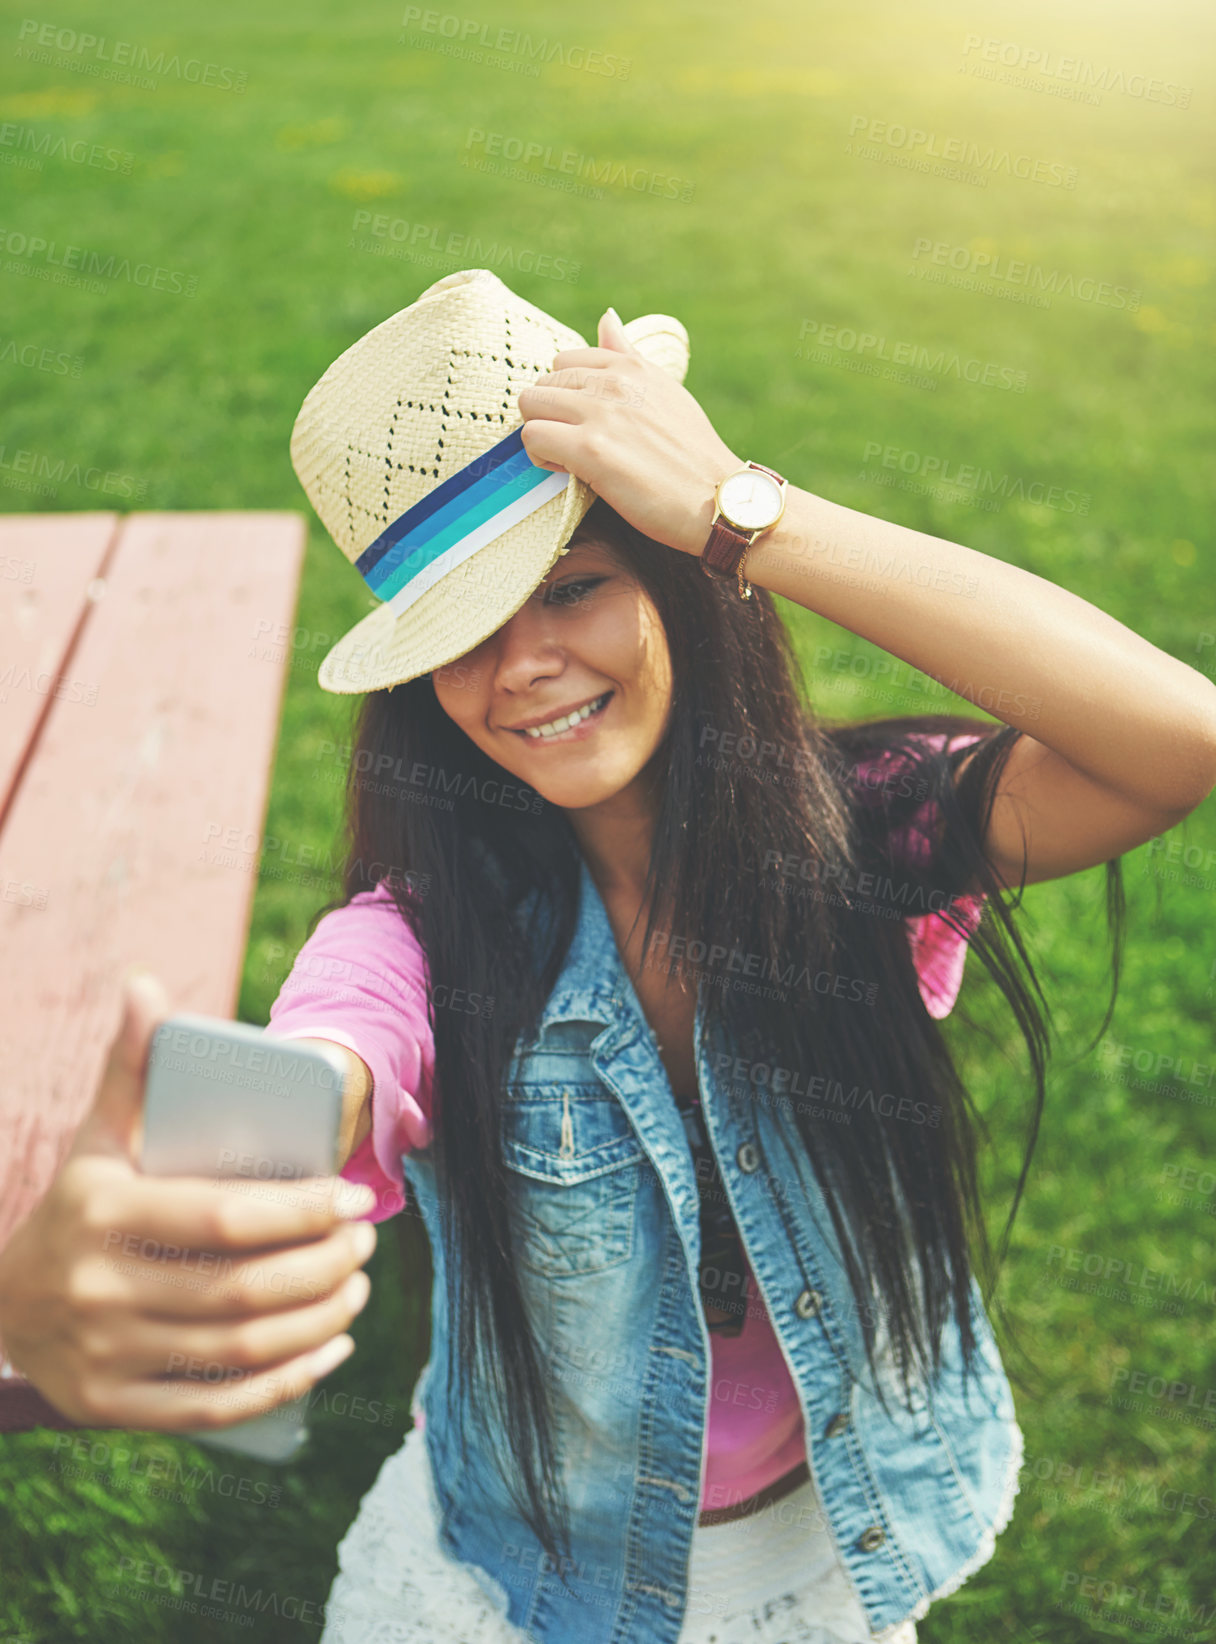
x=638, y=964
x=641, y=1008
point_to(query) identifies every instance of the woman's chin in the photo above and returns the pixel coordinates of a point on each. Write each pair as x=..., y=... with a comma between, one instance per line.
x=577, y=797
x=575, y=791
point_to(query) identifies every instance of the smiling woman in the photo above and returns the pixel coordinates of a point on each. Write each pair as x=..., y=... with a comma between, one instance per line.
x=671, y=1129
x=519, y=1140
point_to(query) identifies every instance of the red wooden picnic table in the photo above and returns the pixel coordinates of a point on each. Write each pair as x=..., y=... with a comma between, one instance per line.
x=139, y=710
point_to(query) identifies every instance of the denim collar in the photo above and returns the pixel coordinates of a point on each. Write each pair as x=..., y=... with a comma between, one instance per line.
x=594, y=985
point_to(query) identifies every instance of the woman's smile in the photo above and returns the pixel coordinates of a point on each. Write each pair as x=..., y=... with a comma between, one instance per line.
x=574, y=727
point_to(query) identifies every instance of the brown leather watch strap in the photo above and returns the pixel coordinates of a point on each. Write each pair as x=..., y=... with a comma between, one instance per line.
x=724, y=549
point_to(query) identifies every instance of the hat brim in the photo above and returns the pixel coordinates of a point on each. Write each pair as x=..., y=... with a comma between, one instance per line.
x=458, y=613
x=479, y=595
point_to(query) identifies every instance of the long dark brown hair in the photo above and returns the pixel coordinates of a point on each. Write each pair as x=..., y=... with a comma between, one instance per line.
x=769, y=840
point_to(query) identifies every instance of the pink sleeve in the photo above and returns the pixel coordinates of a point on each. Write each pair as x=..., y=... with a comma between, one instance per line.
x=361, y=979
x=939, y=952
x=939, y=949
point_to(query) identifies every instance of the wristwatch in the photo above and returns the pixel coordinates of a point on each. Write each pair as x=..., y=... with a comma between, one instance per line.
x=746, y=504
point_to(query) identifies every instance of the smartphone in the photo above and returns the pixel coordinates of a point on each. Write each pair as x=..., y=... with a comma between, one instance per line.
x=224, y=1099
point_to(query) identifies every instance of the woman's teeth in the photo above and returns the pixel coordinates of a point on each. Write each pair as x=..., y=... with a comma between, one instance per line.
x=555, y=727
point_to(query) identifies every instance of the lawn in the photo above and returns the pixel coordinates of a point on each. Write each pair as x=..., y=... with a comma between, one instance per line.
x=903, y=260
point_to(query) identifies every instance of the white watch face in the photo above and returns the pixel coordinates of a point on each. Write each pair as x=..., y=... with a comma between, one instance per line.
x=750, y=500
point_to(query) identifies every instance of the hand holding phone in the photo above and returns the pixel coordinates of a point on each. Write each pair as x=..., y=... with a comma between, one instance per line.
x=223, y=1099
x=110, y=1324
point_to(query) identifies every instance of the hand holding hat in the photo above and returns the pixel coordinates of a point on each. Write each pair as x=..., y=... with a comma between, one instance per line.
x=632, y=432
x=412, y=451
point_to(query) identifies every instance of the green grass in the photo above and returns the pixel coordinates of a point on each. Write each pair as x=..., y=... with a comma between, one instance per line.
x=254, y=194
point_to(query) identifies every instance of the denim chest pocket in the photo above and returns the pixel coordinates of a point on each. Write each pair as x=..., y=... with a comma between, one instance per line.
x=575, y=1163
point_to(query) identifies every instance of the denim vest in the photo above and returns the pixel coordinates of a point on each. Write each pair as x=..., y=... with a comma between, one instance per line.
x=608, y=1213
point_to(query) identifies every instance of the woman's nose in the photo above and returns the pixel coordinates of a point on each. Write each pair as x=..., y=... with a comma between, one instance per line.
x=526, y=645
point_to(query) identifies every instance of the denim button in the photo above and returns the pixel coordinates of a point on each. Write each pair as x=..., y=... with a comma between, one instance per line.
x=747, y=1158
x=872, y=1537
x=837, y=1425
x=808, y=1304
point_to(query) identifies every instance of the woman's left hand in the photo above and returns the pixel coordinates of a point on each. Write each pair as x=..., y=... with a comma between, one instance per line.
x=634, y=434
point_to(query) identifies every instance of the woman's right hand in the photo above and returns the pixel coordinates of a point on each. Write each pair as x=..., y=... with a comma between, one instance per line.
x=176, y=1302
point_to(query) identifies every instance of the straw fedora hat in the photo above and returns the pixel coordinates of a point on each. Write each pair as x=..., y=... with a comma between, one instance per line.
x=409, y=450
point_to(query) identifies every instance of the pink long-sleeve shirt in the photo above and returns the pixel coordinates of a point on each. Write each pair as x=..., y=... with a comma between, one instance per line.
x=361, y=980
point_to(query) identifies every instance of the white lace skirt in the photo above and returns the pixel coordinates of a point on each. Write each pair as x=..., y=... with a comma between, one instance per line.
x=771, y=1578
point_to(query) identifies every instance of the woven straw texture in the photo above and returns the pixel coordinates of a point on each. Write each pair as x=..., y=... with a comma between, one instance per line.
x=404, y=408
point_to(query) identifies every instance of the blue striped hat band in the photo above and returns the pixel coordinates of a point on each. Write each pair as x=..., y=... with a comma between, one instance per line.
x=469, y=509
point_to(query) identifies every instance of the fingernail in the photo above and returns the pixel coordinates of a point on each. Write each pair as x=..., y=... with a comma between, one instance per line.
x=356, y=1290
x=355, y=1199
x=330, y=1356
x=615, y=316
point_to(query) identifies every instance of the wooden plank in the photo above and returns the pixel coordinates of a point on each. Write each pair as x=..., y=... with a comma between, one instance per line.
x=112, y=819
x=47, y=564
